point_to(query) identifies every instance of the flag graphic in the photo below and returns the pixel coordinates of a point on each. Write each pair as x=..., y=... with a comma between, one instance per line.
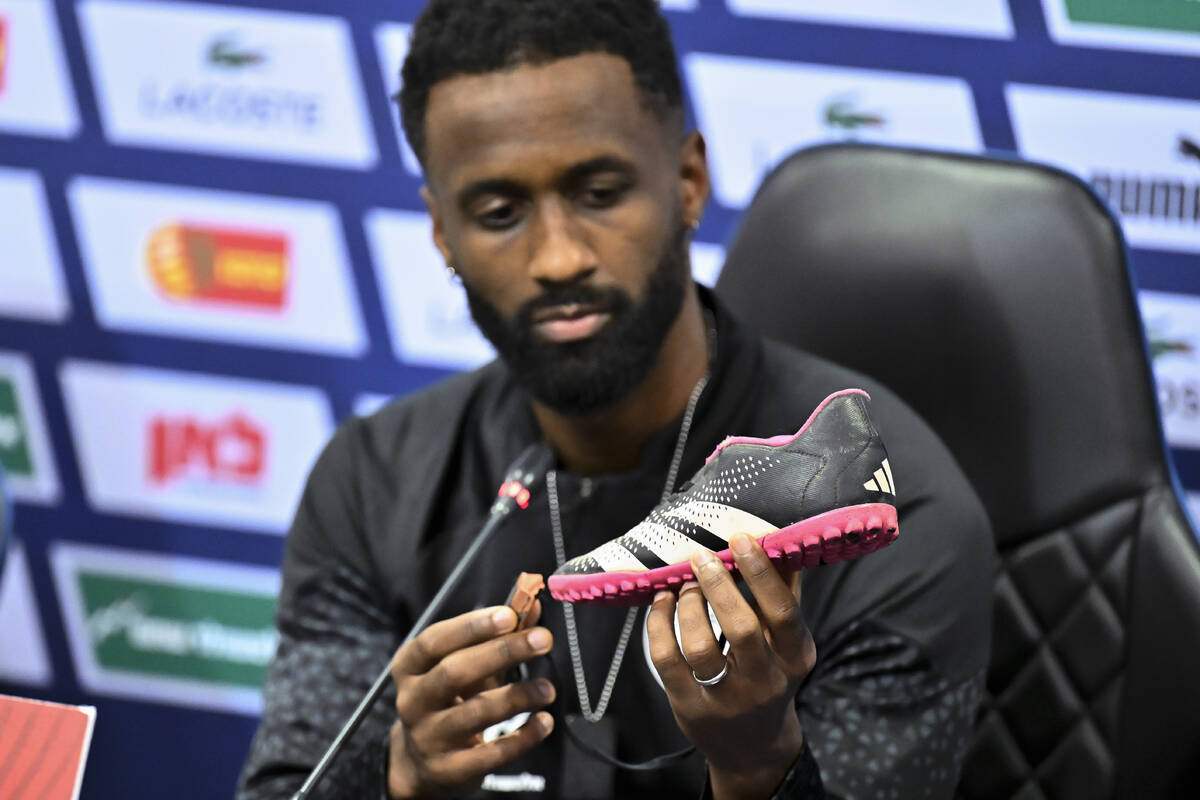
x=196, y=263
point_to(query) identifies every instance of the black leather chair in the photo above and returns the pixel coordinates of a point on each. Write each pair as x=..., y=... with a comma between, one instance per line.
x=994, y=296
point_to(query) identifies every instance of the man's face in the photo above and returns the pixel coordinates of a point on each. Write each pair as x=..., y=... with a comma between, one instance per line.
x=561, y=200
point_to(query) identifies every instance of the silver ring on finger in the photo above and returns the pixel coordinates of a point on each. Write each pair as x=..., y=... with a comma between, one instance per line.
x=715, y=679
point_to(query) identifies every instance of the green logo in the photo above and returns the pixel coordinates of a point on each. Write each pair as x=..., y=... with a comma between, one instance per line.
x=841, y=113
x=14, y=442
x=187, y=632
x=1177, y=16
x=1162, y=344
x=225, y=51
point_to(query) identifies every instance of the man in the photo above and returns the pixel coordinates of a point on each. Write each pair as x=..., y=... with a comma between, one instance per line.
x=562, y=189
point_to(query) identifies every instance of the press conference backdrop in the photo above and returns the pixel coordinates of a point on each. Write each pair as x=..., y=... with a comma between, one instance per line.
x=212, y=249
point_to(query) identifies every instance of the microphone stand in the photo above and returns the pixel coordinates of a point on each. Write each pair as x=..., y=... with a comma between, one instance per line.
x=522, y=477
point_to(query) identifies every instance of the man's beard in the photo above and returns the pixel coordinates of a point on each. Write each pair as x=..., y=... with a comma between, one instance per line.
x=591, y=374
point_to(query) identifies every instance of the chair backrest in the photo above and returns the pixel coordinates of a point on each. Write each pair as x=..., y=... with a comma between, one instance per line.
x=994, y=296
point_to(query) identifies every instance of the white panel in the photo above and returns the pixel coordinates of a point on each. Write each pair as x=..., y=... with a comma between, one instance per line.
x=194, y=448
x=427, y=312
x=1155, y=34
x=226, y=80
x=1142, y=154
x=974, y=17
x=23, y=655
x=35, y=91
x=1173, y=329
x=120, y=224
x=391, y=40
x=749, y=130
x=31, y=284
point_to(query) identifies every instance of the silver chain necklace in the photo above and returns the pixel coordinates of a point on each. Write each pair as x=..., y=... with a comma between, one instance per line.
x=585, y=704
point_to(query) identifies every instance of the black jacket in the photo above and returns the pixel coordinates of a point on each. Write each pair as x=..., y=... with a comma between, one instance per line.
x=902, y=635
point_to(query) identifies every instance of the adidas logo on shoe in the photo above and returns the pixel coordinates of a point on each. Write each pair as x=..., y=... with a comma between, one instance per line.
x=821, y=495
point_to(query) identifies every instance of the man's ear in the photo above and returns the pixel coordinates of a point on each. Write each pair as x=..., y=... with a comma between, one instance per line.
x=439, y=231
x=694, y=182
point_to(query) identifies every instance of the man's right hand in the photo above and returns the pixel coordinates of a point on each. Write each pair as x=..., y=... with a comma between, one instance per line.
x=448, y=693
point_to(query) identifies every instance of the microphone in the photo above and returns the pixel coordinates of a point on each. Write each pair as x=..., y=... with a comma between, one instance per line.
x=523, y=476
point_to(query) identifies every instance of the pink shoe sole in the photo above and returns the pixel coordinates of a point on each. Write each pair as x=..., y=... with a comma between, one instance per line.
x=837, y=535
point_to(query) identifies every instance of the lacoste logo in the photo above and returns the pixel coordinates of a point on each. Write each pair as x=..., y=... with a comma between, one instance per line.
x=1162, y=345
x=226, y=52
x=1188, y=148
x=882, y=482
x=841, y=114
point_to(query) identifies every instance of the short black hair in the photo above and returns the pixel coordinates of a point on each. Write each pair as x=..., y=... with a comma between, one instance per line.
x=474, y=37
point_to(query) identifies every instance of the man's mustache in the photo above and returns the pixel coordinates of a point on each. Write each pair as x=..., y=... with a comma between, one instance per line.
x=610, y=300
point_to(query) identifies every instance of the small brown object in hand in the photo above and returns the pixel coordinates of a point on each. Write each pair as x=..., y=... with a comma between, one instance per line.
x=524, y=594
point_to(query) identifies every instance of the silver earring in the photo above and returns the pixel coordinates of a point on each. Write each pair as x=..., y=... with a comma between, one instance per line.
x=694, y=224
x=453, y=274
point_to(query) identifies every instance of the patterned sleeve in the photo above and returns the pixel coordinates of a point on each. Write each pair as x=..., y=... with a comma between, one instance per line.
x=882, y=723
x=333, y=642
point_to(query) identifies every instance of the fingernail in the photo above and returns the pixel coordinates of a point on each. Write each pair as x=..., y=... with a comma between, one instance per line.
x=545, y=721
x=539, y=639
x=688, y=585
x=741, y=545
x=502, y=618
x=662, y=595
x=703, y=559
x=545, y=690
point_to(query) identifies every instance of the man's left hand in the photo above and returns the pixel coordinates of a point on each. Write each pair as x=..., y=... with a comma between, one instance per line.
x=745, y=725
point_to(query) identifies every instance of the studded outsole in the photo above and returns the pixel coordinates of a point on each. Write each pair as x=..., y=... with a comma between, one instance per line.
x=838, y=535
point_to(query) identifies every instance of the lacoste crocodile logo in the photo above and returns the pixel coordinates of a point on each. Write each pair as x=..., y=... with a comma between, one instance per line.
x=841, y=113
x=226, y=52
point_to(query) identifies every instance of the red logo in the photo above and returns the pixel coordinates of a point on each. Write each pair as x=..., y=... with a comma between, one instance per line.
x=205, y=264
x=3, y=51
x=233, y=450
x=516, y=491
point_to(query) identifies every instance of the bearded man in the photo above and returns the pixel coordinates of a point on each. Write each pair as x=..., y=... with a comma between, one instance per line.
x=563, y=190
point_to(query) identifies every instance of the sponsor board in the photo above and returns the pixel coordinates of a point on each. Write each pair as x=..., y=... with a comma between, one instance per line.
x=391, y=41
x=427, y=312
x=31, y=283
x=1141, y=154
x=1166, y=26
x=25, y=452
x=35, y=93
x=238, y=268
x=201, y=449
x=795, y=105
x=988, y=18
x=20, y=625
x=169, y=629
x=230, y=81
x=1173, y=333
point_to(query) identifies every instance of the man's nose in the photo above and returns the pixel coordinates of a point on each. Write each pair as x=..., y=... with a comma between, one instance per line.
x=562, y=252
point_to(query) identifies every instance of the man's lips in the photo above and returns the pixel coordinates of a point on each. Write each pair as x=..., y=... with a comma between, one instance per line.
x=570, y=322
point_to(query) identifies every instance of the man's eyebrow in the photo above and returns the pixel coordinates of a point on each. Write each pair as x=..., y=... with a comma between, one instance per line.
x=599, y=164
x=573, y=175
x=501, y=186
